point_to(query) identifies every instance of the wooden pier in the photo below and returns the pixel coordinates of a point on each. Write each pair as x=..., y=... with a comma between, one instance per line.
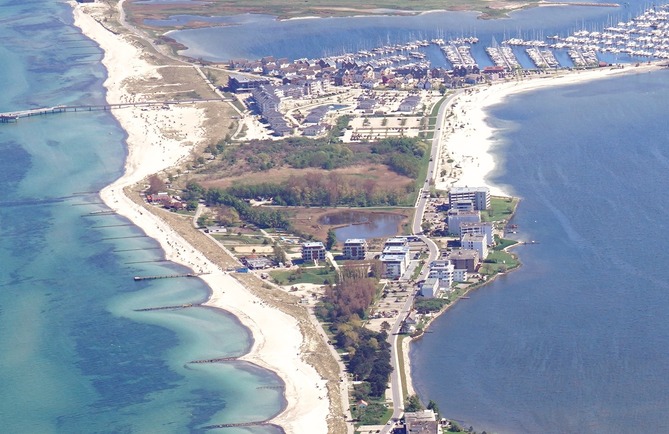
x=180, y=306
x=216, y=360
x=165, y=276
x=240, y=424
x=12, y=117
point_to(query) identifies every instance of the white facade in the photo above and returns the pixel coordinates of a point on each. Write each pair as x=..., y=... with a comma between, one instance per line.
x=476, y=242
x=394, y=261
x=478, y=228
x=460, y=275
x=456, y=218
x=480, y=196
x=430, y=288
x=442, y=271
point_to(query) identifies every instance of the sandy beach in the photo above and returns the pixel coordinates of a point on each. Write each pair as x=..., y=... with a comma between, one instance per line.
x=470, y=142
x=160, y=138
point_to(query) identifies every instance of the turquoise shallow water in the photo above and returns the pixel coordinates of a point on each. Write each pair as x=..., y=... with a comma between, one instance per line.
x=76, y=355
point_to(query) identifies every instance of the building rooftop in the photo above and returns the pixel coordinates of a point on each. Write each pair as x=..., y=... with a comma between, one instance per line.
x=462, y=212
x=396, y=250
x=355, y=241
x=474, y=224
x=313, y=244
x=392, y=257
x=462, y=254
x=460, y=190
x=474, y=237
x=396, y=240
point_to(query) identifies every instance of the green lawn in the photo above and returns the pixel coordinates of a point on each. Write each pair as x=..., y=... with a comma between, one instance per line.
x=304, y=275
x=375, y=413
x=501, y=208
x=497, y=262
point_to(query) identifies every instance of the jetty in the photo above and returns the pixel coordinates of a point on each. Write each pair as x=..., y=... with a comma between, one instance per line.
x=239, y=424
x=216, y=360
x=11, y=117
x=180, y=306
x=164, y=276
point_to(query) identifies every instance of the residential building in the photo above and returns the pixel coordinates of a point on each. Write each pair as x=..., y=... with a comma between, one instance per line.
x=476, y=242
x=479, y=196
x=443, y=271
x=355, y=248
x=464, y=259
x=455, y=218
x=421, y=422
x=241, y=82
x=313, y=251
x=396, y=241
x=460, y=275
x=430, y=288
x=394, y=261
x=462, y=205
x=478, y=228
x=313, y=130
x=409, y=104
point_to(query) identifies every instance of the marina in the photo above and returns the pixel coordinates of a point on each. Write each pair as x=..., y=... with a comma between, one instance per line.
x=639, y=39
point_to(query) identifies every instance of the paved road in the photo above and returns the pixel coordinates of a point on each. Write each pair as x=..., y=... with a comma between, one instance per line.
x=433, y=253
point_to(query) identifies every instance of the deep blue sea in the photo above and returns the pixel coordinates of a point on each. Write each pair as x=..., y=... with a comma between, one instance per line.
x=75, y=355
x=577, y=340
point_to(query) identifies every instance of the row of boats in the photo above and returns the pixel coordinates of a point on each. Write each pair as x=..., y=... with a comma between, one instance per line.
x=645, y=36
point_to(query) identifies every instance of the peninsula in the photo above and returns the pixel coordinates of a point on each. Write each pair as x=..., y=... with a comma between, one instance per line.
x=167, y=142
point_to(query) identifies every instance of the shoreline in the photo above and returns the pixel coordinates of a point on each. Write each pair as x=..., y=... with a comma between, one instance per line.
x=478, y=139
x=277, y=338
x=471, y=142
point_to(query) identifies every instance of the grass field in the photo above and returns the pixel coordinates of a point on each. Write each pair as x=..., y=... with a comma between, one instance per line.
x=501, y=209
x=304, y=275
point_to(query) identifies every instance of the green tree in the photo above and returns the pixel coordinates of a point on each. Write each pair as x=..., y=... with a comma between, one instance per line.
x=331, y=239
x=433, y=406
x=413, y=403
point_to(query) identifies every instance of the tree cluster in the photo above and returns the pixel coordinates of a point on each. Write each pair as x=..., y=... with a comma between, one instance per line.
x=261, y=217
x=404, y=155
x=368, y=351
x=429, y=305
x=352, y=295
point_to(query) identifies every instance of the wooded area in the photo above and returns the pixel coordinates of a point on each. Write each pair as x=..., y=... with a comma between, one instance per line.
x=343, y=306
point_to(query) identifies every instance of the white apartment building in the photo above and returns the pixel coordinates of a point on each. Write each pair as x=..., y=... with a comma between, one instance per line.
x=478, y=228
x=394, y=261
x=476, y=242
x=456, y=218
x=479, y=196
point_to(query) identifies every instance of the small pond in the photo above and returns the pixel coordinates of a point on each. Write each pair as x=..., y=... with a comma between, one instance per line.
x=362, y=224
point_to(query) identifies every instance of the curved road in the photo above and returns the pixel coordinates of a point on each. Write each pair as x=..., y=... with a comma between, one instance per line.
x=395, y=381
